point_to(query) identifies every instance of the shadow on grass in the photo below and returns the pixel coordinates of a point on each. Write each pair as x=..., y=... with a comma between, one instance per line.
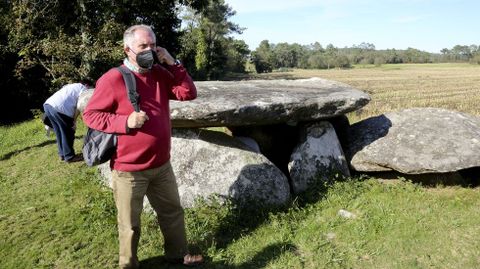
x=230, y=225
x=241, y=221
x=219, y=224
x=466, y=178
x=45, y=143
x=260, y=260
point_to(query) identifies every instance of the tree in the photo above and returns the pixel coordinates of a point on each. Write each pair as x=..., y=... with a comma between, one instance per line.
x=317, y=61
x=330, y=55
x=238, y=55
x=445, y=51
x=316, y=47
x=262, y=58
x=209, y=28
x=392, y=57
x=461, y=53
x=366, y=46
x=53, y=42
x=13, y=96
x=341, y=61
x=75, y=39
x=287, y=55
x=476, y=58
x=412, y=55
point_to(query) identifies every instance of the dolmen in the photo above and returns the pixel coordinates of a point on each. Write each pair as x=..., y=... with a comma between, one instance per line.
x=283, y=125
x=269, y=140
x=261, y=140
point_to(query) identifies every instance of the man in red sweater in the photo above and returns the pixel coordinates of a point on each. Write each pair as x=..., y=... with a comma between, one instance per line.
x=141, y=163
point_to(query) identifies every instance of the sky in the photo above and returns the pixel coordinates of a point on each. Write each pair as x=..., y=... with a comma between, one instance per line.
x=428, y=25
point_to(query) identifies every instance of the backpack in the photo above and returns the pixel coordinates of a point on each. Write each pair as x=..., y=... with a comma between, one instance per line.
x=99, y=147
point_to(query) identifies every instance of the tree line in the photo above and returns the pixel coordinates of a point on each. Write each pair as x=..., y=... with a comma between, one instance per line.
x=45, y=44
x=267, y=56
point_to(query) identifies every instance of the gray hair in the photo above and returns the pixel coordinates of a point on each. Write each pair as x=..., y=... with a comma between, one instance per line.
x=128, y=35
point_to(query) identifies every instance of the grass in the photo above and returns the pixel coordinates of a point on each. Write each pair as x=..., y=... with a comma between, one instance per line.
x=57, y=215
x=53, y=214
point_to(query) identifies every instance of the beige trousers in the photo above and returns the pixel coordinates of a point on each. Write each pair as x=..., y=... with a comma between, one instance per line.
x=160, y=187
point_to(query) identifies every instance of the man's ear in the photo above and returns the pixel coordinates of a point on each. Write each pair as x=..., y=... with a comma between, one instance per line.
x=126, y=50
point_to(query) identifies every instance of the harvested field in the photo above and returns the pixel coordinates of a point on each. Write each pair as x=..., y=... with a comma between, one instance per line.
x=399, y=86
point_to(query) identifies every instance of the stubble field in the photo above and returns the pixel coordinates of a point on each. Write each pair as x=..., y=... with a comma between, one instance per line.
x=399, y=86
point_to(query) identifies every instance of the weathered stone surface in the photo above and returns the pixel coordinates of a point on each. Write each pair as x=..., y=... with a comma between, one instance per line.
x=263, y=102
x=83, y=99
x=213, y=163
x=317, y=156
x=415, y=141
x=106, y=173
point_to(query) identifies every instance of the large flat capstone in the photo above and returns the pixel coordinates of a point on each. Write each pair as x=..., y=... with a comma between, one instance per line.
x=262, y=102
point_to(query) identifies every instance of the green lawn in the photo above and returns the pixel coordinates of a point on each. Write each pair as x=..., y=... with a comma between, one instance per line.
x=57, y=215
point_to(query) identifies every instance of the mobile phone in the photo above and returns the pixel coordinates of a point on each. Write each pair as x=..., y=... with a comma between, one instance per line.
x=156, y=60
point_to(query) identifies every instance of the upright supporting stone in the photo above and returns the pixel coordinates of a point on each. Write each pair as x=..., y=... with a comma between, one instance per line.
x=83, y=99
x=213, y=163
x=318, y=156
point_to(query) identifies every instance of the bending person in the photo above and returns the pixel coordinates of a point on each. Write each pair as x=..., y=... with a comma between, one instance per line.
x=61, y=110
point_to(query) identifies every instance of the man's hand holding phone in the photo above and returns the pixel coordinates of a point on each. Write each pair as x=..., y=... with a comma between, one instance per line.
x=164, y=56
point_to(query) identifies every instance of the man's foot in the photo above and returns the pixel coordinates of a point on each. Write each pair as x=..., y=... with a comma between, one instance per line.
x=76, y=158
x=188, y=260
x=192, y=260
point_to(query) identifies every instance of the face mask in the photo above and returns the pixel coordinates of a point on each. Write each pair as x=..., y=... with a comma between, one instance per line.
x=145, y=58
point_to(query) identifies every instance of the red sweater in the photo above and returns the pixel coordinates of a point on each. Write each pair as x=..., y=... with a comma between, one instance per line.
x=109, y=107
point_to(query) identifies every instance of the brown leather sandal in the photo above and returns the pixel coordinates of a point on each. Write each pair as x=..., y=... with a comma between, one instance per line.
x=192, y=260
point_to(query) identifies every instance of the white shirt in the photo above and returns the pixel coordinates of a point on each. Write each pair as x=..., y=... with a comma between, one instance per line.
x=65, y=99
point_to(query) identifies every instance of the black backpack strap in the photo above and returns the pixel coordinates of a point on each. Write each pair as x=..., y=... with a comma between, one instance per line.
x=131, y=86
